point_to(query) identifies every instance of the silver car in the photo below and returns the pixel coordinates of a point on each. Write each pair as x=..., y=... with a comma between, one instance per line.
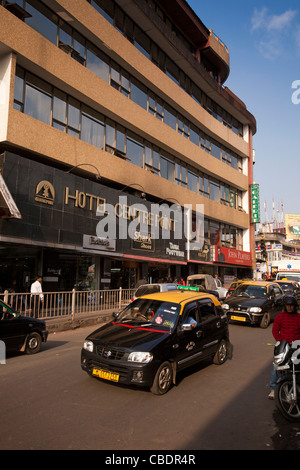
x=146, y=289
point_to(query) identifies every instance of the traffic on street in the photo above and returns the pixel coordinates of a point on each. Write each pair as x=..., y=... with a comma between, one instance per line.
x=48, y=402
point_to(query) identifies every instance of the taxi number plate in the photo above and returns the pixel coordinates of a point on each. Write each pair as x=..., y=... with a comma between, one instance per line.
x=234, y=317
x=104, y=374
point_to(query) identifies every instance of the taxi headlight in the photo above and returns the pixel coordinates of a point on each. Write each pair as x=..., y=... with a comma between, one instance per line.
x=254, y=309
x=88, y=346
x=143, y=357
x=225, y=306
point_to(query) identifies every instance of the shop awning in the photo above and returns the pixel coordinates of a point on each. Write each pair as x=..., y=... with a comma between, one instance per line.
x=8, y=207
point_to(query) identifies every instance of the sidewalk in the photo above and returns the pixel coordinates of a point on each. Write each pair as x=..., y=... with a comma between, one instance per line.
x=81, y=319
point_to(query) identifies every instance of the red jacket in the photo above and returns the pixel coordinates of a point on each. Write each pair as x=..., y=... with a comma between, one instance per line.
x=286, y=327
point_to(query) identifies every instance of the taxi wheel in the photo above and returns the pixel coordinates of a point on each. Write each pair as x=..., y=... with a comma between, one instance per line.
x=33, y=343
x=265, y=321
x=221, y=353
x=163, y=379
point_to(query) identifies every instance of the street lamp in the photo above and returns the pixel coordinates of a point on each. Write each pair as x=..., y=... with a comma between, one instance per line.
x=98, y=176
x=142, y=193
x=170, y=199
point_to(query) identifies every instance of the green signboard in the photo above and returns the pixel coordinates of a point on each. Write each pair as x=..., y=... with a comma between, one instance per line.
x=255, y=205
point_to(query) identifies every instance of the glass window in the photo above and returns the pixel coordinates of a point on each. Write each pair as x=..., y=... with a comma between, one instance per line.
x=192, y=182
x=42, y=20
x=215, y=151
x=97, y=63
x=65, y=34
x=167, y=168
x=135, y=151
x=142, y=41
x=172, y=70
x=121, y=139
x=214, y=191
x=105, y=8
x=19, y=86
x=59, y=106
x=170, y=117
x=138, y=94
x=214, y=230
x=194, y=135
x=73, y=114
x=110, y=135
x=38, y=99
x=92, y=130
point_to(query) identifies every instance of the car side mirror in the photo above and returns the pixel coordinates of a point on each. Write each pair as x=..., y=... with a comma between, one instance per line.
x=115, y=315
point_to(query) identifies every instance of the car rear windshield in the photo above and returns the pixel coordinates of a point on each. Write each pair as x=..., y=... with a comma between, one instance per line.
x=147, y=289
x=152, y=313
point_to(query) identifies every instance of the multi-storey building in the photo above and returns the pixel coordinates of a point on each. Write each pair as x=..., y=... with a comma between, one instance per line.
x=109, y=104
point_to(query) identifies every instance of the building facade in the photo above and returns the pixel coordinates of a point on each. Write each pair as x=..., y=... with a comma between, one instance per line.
x=112, y=112
x=278, y=248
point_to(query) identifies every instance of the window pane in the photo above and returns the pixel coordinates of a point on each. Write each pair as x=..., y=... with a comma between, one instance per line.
x=215, y=151
x=121, y=139
x=42, y=20
x=138, y=95
x=73, y=113
x=170, y=118
x=59, y=106
x=167, y=169
x=135, y=152
x=192, y=182
x=105, y=8
x=37, y=104
x=110, y=133
x=92, y=131
x=97, y=63
x=19, y=89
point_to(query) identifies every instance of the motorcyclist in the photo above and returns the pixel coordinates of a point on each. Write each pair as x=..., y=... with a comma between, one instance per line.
x=286, y=327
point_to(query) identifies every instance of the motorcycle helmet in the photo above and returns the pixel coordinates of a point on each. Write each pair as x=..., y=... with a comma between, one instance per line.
x=290, y=300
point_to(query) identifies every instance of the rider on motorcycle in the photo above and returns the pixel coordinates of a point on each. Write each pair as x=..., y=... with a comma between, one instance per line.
x=286, y=327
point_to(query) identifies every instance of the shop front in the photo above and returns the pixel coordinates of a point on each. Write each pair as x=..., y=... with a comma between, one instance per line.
x=81, y=234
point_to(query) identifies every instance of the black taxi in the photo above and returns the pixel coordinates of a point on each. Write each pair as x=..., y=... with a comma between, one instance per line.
x=19, y=333
x=156, y=336
x=254, y=302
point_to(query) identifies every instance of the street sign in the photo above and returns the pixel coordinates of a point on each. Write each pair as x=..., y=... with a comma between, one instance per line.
x=255, y=204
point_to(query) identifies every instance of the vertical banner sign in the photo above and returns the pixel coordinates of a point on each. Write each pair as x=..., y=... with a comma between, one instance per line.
x=255, y=205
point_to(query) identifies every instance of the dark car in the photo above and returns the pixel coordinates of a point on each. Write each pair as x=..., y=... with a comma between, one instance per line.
x=290, y=287
x=255, y=302
x=21, y=333
x=156, y=336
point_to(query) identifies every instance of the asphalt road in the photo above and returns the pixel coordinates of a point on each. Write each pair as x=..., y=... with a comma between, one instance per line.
x=47, y=402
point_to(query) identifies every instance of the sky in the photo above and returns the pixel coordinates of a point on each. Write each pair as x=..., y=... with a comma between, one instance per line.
x=263, y=38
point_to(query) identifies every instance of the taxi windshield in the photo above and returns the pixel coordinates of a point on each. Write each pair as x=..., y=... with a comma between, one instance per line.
x=150, y=312
x=248, y=290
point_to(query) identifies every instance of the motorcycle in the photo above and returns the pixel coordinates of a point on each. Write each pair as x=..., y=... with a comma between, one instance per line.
x=287, y=390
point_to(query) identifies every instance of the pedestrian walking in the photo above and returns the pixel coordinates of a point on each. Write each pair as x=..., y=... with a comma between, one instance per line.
x=37, y=296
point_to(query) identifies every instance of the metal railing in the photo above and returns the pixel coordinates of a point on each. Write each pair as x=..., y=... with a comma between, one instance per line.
x=68, y=304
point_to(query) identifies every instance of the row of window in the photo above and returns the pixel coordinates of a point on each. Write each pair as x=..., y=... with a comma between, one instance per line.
x=111, y=11
x=216, y=233
x=68, y=39
x=40, y=100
